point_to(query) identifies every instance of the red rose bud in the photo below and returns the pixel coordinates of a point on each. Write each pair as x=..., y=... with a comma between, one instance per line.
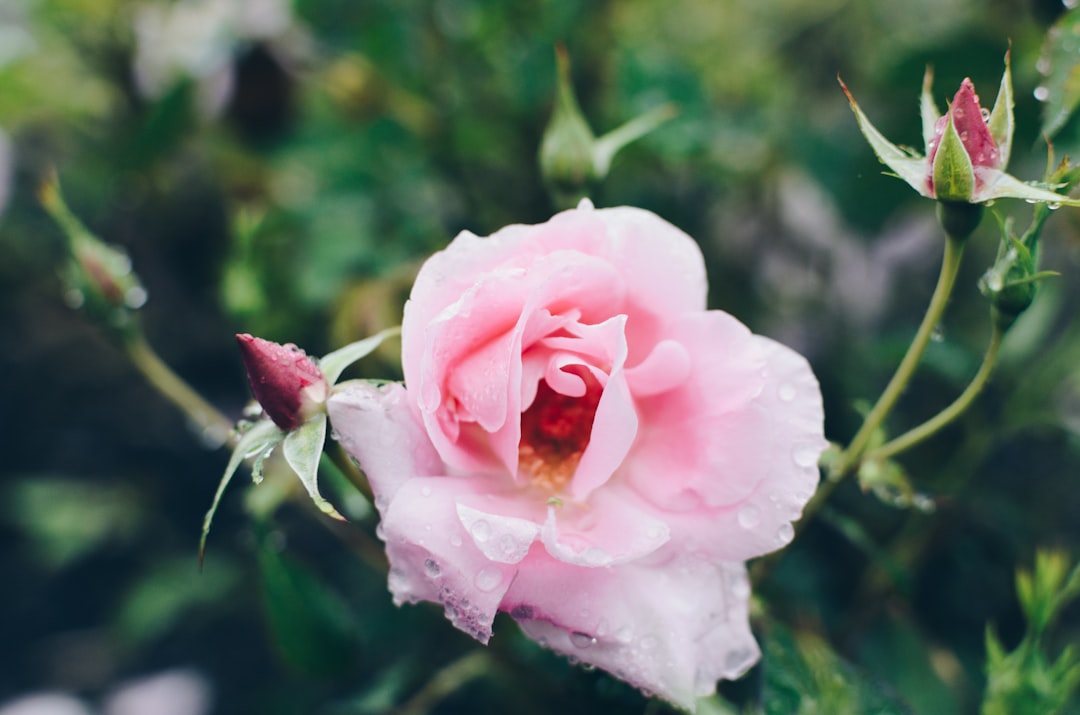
x=969, y=120
x=285, y=381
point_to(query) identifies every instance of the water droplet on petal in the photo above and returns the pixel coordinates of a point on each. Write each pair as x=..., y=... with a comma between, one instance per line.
x=481, y=530
x=649, y=642
x=786, y=392
x=749, y=516
x=431, y=567
x=488, y=578
x=805, y=457
x=785, y=534
x=581, y=640
x=425, y=491
x=455, y=540
x=985, y=114
x=624, y=634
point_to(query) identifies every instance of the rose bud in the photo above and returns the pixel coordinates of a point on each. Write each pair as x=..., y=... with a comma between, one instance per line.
x=967, y=149
x=285, y=381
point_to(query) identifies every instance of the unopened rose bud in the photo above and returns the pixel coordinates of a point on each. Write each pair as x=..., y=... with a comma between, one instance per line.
x=286, y=382
x=967, y=149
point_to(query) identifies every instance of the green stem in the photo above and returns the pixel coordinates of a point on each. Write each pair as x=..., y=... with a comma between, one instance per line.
x=447, y=681
x=950, y=413
x=205, y=417
x=950, y=264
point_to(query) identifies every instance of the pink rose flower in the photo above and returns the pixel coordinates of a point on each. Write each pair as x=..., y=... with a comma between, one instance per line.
x=582, y=445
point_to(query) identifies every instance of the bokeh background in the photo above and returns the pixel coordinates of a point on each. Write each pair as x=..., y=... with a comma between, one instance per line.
x=281, y=168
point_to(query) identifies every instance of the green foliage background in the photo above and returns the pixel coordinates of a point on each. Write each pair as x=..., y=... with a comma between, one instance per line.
x=301, y=213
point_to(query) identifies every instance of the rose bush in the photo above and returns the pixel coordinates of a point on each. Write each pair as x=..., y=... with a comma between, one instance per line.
x=579, y=443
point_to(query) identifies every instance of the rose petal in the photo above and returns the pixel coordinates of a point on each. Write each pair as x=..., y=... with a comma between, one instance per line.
x=433, y=558
x=613, y=527
x=378, y=426
x=671, y=628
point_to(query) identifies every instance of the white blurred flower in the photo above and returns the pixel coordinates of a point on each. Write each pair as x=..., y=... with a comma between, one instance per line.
x=174, y=692
x=45, y=704
x=196, y=39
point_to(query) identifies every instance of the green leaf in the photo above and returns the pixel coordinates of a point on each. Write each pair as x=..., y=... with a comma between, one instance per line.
x=334, y=363
x=1061, y=71
x=256, y=443
x=1001, y=116
x=928, y=109
x=999, y=185
x=302, y=449
x=803, y=676
x=314, y=630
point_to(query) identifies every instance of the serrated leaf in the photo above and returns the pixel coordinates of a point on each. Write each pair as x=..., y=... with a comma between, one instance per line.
x=1061, y=75
x=256, y=442
x=334, y=363
x=909, y=167
x=302, y=449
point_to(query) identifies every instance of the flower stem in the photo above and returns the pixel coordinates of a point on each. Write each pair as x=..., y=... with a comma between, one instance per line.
x=213, y=426
x=950, y=264
x=447, y=681
x=950, y=413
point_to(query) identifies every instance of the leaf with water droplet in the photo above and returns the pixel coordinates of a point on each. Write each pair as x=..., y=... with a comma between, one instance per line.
x=1060, y=67
x=302, y=448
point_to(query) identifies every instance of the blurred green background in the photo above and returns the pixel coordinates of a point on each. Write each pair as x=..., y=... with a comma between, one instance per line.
x=281, y=168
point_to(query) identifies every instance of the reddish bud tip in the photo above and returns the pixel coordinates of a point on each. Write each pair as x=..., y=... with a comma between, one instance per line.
x=285, y=381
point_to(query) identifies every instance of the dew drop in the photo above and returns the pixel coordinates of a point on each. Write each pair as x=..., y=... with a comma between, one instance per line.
x=581, y=640
x=1042, y=93
x=1053, y=205
x=648, y=642
x=481, y=530
x=595, y=556
x=1070, y=3
x=624, y=635
x=380, y=532
x=805, y=457
x=431, y=567
x=985, y=114
x=740, y=587
x=455, y=540
x=507, y=544
x=786, y=393
x=425, y=491
x=135, y=297
x=785, y=533
x=74, y=298
x=964, y=134
x=488, y=578
x=749, y=516
x=937, y=334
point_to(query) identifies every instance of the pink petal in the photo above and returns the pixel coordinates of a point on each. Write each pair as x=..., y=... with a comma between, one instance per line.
x=433, y=558
x=671, y=627
x=379, y=427
x=613, y=527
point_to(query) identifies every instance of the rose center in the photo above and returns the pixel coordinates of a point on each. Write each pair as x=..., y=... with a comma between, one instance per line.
x=554, y=433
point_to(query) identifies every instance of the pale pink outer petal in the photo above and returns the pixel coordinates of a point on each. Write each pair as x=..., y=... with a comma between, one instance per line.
x=671, y=626
x=432, y=556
